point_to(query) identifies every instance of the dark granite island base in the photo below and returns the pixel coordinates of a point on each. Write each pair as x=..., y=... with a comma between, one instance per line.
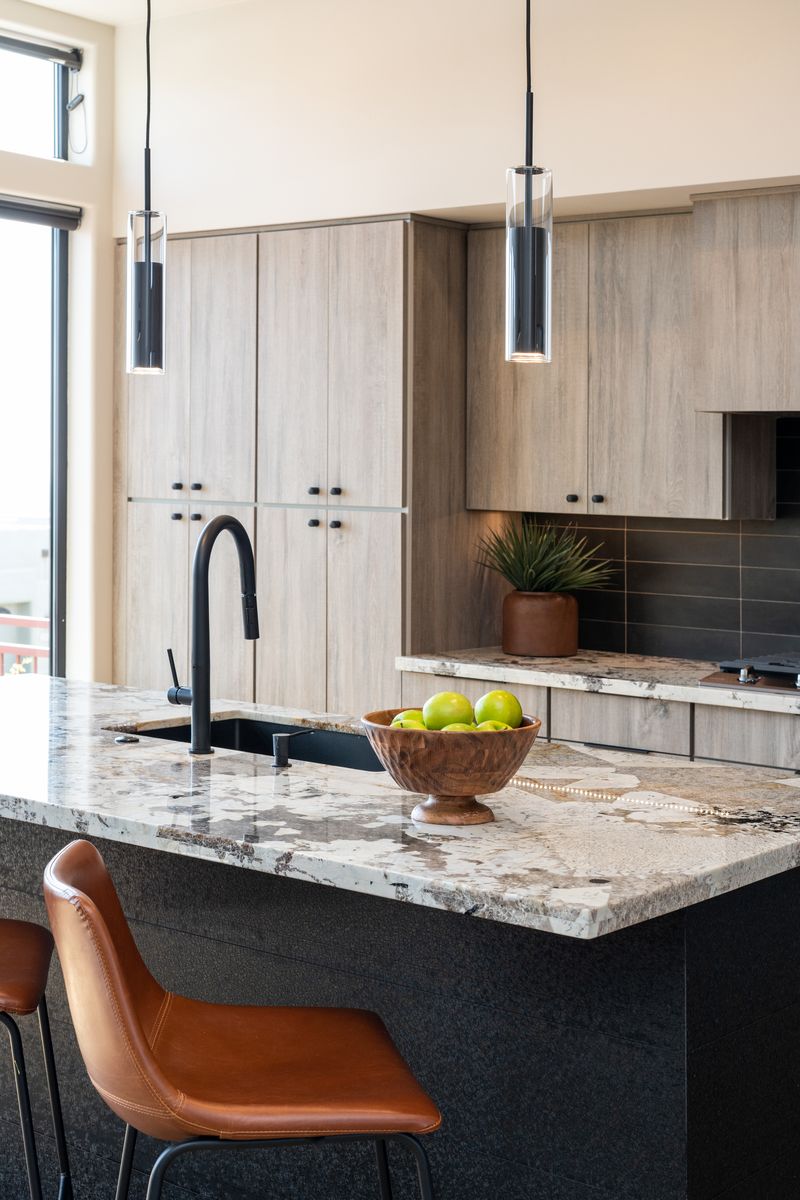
x=661, y=1062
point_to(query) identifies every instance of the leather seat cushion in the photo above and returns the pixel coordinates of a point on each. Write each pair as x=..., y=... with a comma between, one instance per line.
x=25, y=952
x=249, y=1072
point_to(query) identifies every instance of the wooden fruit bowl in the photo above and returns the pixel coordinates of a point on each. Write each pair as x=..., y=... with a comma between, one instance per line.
x=453, y=768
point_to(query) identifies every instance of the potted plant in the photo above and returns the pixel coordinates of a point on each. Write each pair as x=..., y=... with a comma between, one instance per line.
x=544, y=564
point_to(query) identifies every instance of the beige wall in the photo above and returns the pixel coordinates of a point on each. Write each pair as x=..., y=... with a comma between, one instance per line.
x=87, y=181
x=269, y=111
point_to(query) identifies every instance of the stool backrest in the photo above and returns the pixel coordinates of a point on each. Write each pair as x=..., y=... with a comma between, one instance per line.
x=115, y=1003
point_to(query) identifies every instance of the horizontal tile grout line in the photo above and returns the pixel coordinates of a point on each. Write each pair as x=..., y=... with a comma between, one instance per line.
x=697, y=628
x=691, y=532
x=658, y=562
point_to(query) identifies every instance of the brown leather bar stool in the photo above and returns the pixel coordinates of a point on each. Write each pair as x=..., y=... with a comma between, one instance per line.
x=219, y=1076
x=25, y=952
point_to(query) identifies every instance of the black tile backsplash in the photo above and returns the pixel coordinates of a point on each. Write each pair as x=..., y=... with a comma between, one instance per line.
x=700, y=589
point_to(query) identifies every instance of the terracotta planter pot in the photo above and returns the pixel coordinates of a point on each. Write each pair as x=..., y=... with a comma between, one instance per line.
x=540, y=624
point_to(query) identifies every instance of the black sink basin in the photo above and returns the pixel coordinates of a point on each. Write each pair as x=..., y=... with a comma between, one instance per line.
x=255, y=737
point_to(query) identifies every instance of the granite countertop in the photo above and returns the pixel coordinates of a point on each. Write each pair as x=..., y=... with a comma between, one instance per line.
x=601, y=671
x=586, y=841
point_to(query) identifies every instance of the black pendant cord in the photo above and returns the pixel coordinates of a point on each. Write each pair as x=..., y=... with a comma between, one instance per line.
x=147, y=121
x=529, y=89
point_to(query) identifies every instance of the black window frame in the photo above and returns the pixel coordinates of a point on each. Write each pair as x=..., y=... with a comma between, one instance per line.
x=62, y=218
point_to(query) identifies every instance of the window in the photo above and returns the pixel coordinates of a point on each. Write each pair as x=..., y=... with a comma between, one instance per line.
x=34, y=86
x=34, y=90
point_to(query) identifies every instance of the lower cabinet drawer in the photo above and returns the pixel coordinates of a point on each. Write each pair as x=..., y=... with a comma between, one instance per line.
x=740, y=735
x=419, y=685
x=625, y=721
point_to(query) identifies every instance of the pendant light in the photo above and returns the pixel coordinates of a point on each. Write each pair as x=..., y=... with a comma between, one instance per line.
x=147, y=246
x=529, y=235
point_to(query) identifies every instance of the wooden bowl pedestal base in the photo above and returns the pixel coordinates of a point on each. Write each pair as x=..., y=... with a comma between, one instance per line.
x=452, y=810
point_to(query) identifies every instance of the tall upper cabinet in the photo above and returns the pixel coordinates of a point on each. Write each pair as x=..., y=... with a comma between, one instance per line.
x=192, y=429
x=609, y=427
x=331, y=388
x=747, y=301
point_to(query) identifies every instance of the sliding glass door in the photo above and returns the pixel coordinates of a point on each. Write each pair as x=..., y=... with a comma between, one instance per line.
x=26, y=446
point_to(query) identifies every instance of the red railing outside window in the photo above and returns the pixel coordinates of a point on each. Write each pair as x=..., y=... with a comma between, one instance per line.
x=25, y=657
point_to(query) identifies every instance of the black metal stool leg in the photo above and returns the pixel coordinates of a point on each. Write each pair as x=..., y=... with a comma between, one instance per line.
x=126, y=1163
x=384, y=1177
x=163, y=1163
x=421, y=1159
x=24, y=1102
x=65, y=1180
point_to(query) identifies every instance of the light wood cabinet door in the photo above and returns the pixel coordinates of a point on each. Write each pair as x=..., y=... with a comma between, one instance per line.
x=366, y=380
x=223, y=366
x=651, y=454
x=157, y=448
x=747, y=303
x=291, y=667
x=156, y=594
x=624, y=721
x=232, y=658
x=527, y=424
x=365, y=611
x=292, y=365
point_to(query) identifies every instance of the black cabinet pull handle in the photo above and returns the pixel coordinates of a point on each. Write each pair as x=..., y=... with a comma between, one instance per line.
x=598, y=499
x=195, y=486
x=336, y=491
x=313, y=491
x=196, y=517
x=177, y=487
x=572, y=498
x=176, y=516
x=336, y=524
x=313, y=523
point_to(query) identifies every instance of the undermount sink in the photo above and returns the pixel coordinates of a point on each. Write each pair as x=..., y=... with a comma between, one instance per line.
x=327, y=746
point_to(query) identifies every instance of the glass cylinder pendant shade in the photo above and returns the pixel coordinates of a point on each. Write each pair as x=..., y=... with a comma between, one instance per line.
x=529, y=236
x=147, y=247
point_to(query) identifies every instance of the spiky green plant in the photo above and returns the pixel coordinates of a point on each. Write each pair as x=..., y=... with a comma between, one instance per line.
x=543, y=558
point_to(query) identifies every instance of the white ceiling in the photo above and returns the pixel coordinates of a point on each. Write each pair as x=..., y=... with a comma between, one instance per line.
x=126, y=12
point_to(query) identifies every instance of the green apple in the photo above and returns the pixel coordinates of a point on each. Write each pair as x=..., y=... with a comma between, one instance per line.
x=407, y=725
x=499, y=706
x=447, y=708
x=492, y=726
x=458, y=727
x=409, y=714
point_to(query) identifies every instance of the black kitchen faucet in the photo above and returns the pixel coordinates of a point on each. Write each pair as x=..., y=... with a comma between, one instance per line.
x=199, y=694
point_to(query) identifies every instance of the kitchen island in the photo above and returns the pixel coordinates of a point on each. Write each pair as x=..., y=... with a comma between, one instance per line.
x=617, y=1019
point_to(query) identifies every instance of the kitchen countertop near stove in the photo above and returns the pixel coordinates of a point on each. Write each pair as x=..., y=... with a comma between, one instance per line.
x=586, y=841
x=601, y=671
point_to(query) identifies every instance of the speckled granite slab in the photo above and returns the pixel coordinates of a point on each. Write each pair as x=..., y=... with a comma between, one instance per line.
x=601, y=671
x=586, y=841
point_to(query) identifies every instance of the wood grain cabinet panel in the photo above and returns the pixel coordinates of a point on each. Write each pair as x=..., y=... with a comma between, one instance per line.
x=232, y=658
x=223, y=366
x=747, y=302
x=527, y=425
x=291, y=654
x=157, y=451
x=157, y=593
x=419, y=685
x=741, y=735
x=293, y=365
x=651, y=453
x=366, y=381
x=365, y=611
x=624, y=721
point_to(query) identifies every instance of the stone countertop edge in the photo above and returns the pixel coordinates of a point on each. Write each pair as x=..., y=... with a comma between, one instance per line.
x=601, y=672
x=586, y=841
